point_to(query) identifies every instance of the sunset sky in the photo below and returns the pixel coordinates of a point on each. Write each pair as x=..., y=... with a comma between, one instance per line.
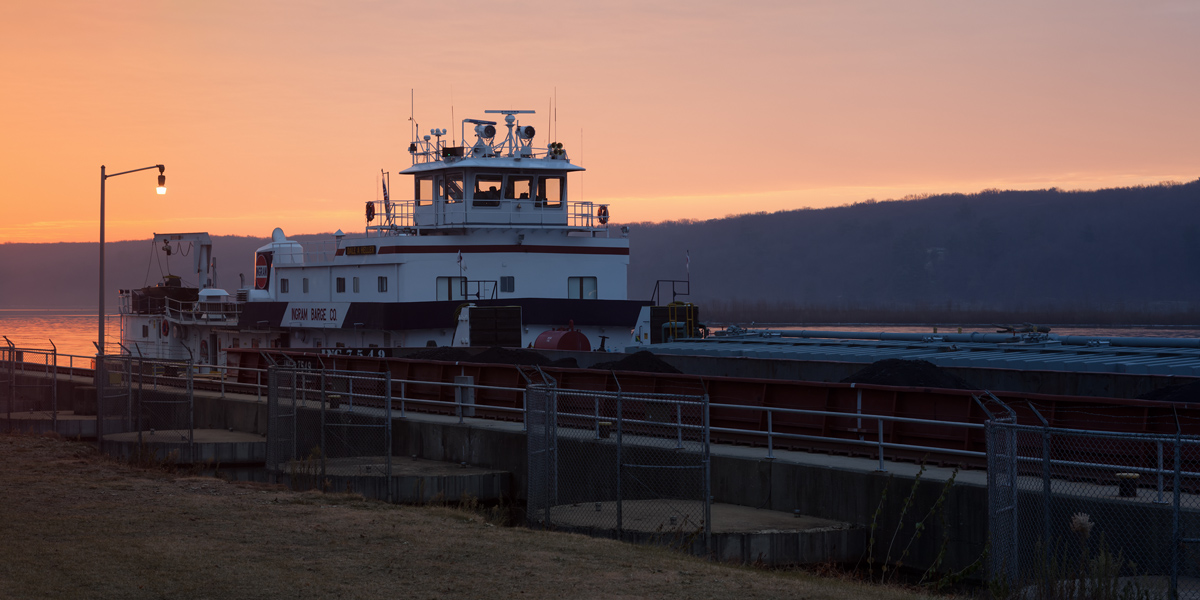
x=272, y=113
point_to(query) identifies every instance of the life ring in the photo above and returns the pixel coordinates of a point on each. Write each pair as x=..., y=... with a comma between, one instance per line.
x=166, y=328
x=602, y=214
x=370, y=211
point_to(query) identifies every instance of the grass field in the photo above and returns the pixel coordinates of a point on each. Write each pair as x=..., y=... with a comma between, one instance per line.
x=75, y=524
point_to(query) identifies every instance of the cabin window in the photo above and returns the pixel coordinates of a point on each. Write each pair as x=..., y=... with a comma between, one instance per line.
x=304, y=285
x=235, y=343
x=341, y=285
x=355, y=285
x=283, y=286
x=582, y=288
x=487, y=190
x=451, y=288
x=519, y=187
x=550, y=192
x=254, y=342
x=454, y=187
x=507, y=284
x=383, y=284
x=424, y=191
x=145, y=331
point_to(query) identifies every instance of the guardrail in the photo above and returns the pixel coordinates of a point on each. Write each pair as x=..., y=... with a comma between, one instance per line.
x=498, y=393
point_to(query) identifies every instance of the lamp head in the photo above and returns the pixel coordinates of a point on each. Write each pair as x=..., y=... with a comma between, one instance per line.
x=162, y=180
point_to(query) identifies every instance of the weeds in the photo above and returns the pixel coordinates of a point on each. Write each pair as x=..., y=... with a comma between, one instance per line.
x=305, y=474
x=903, y=539
x=1085, y=570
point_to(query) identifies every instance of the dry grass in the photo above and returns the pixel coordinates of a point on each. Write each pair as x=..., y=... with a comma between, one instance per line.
x=74, y=524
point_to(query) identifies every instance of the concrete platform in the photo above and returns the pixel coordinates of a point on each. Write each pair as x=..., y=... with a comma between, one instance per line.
x=413, y=480
x=209, y=446
x=740, y=534
x=67, y=424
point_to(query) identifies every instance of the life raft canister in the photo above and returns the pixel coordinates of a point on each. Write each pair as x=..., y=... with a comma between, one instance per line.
x=262, y=270
x=370, y=211
x=602, y=215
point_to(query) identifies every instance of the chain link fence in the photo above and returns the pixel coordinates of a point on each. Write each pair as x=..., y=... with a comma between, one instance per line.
x=1092, y=514
x=147, y=401
x=330, y=429
x=29, y=388
x=633, y=466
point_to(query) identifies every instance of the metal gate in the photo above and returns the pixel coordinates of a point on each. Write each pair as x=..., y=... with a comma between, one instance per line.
x=147, y=401
x=632, y=466
x=326, y=425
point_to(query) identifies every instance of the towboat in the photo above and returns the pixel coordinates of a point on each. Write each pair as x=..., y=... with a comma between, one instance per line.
x=489, y=251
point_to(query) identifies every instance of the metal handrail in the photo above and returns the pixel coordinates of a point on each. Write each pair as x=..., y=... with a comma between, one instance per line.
x=769, y=436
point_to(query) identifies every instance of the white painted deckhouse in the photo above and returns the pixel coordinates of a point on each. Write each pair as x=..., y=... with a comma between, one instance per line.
x=489, y=251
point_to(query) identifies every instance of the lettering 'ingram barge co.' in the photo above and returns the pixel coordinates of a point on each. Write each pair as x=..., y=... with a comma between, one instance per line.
x=488, y=252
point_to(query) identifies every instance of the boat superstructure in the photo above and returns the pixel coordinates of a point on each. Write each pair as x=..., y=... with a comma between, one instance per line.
x=488, y=250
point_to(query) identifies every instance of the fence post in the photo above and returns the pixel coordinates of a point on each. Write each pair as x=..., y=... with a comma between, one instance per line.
x=1011, y=439
x=881, y=469
x=1175, y=537
x=858, y=409
x=678, y=426
x=770, y=436
x=387, y=430
x=707, y=482
x=54, y=389
x=137, y=419
x=620, y=470
x=324, y=403
x=1046, y=486
x=1160, y=473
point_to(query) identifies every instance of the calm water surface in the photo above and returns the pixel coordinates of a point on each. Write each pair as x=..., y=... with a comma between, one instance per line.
x=74, y=331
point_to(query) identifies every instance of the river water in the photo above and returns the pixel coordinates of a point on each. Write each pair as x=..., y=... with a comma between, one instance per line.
x=74, y=332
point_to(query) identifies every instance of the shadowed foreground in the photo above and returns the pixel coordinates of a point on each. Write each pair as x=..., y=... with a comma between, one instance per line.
x=76, y=525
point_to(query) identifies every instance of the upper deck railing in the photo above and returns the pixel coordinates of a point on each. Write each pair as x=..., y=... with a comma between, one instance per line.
x=411, y=216
x=181, y=311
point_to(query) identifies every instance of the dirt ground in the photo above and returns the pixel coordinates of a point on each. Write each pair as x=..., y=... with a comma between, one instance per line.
x=75, y=524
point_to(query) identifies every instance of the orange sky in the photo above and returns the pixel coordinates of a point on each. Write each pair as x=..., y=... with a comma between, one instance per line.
x=272, y=113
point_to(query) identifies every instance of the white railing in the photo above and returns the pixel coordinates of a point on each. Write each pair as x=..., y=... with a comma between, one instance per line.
x=202, y=312
x=407, y=215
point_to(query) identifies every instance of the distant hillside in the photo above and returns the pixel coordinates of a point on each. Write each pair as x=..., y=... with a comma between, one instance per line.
x=65, y=275
x=1117, y=255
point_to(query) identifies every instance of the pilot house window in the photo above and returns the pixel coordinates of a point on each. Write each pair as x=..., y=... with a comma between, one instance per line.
x=582, y=288
x=424, y=191
x=550, y=192
x=518, y=187
x=508, y=284
x=487, y=190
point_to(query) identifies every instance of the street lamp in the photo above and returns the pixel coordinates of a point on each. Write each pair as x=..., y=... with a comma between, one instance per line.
x=162, y=189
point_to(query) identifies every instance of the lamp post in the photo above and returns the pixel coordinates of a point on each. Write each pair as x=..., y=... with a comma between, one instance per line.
x=100, y=374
